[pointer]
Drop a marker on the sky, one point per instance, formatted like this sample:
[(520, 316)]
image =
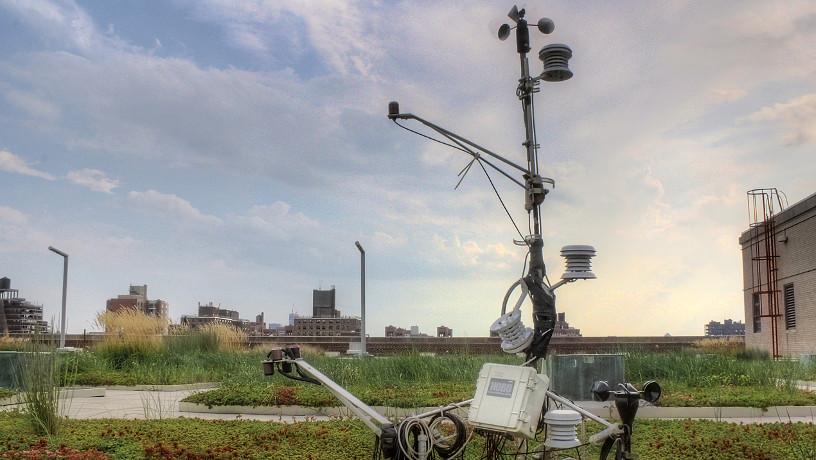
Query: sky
[(233, 152)]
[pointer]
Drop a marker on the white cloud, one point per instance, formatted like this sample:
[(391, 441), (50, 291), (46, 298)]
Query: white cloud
[(798, 117), (171, 206), (648, 161), (728, 94), (33, 104), (278, 220), (62, 21), (12, 163), (93, 179), (12, 215), (343, 33)]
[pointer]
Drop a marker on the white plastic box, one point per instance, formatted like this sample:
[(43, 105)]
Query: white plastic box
[(508, 399)]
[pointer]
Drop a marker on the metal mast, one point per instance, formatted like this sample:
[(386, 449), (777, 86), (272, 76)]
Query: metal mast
[(555, 58)]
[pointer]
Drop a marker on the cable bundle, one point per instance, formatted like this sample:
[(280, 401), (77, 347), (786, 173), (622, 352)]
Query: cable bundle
[(411, 431)]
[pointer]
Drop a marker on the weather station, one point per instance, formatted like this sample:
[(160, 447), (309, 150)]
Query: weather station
[(513, 413)]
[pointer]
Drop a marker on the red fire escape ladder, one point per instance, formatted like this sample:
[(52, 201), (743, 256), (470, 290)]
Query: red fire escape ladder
[(762, 206)]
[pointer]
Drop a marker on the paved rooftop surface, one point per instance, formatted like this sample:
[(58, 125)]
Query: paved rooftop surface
[(130, 404)]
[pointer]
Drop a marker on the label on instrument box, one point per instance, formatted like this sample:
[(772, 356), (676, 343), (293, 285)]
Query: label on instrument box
[(502, 388)]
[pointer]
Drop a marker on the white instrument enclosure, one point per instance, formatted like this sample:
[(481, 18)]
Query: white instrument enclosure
[(508, 399)]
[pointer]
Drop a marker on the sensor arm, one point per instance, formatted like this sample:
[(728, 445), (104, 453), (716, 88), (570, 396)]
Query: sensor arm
[(456, 137), (373, 419)]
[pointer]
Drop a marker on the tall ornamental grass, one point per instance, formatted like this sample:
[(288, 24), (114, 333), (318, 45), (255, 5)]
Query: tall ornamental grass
[(136, 350), (209, 338), (40, 375), (130, 336), (12, 343)]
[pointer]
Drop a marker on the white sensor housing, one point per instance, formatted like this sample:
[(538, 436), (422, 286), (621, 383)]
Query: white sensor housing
[(561, 432), (579, 262), (515, 337)]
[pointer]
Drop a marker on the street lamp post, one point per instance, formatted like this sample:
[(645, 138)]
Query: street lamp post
[(362, 299), (64, 291)]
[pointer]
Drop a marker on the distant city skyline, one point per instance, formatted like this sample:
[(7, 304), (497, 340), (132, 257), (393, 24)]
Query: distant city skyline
[(234, 152)]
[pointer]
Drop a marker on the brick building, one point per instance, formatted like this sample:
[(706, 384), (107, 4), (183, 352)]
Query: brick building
[(136, 298), (779, 275), (563, 329), (339, 326)]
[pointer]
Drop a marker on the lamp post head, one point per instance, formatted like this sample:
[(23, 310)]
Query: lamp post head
[(359, 246), (55, 250)]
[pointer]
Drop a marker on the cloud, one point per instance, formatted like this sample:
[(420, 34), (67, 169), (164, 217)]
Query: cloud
[(343, 33), (728, 94), (277, 219), (33, 104), (93, 179), (649, 162), (171, 206), (12, 215), (798, 116), (12, 163), (62, 22)]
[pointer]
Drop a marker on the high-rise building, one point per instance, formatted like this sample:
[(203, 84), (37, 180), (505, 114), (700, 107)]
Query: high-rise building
[(259, 326), (17, 315), (324, 303)]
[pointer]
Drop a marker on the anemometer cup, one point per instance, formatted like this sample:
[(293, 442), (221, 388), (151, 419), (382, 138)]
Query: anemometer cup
[(600, 390), (651, 392)]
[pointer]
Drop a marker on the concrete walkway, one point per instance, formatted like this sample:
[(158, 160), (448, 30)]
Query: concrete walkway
[(131, 404)]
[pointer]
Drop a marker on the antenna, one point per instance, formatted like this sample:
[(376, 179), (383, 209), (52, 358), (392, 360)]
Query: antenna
[(555, 59)]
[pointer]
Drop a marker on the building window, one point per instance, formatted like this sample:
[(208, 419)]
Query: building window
[(790, 307), (757, 305)]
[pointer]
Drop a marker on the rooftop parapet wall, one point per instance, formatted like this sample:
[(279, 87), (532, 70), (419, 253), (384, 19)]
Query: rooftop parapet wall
[(473, 345)]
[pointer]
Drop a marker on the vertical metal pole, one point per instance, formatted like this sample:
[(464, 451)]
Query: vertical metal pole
[(542, 297), (536, 247), (64, 295), (362, 299), (64, 290)]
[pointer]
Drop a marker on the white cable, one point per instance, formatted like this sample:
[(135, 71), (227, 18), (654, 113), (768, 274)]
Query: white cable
[(406, 426)]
